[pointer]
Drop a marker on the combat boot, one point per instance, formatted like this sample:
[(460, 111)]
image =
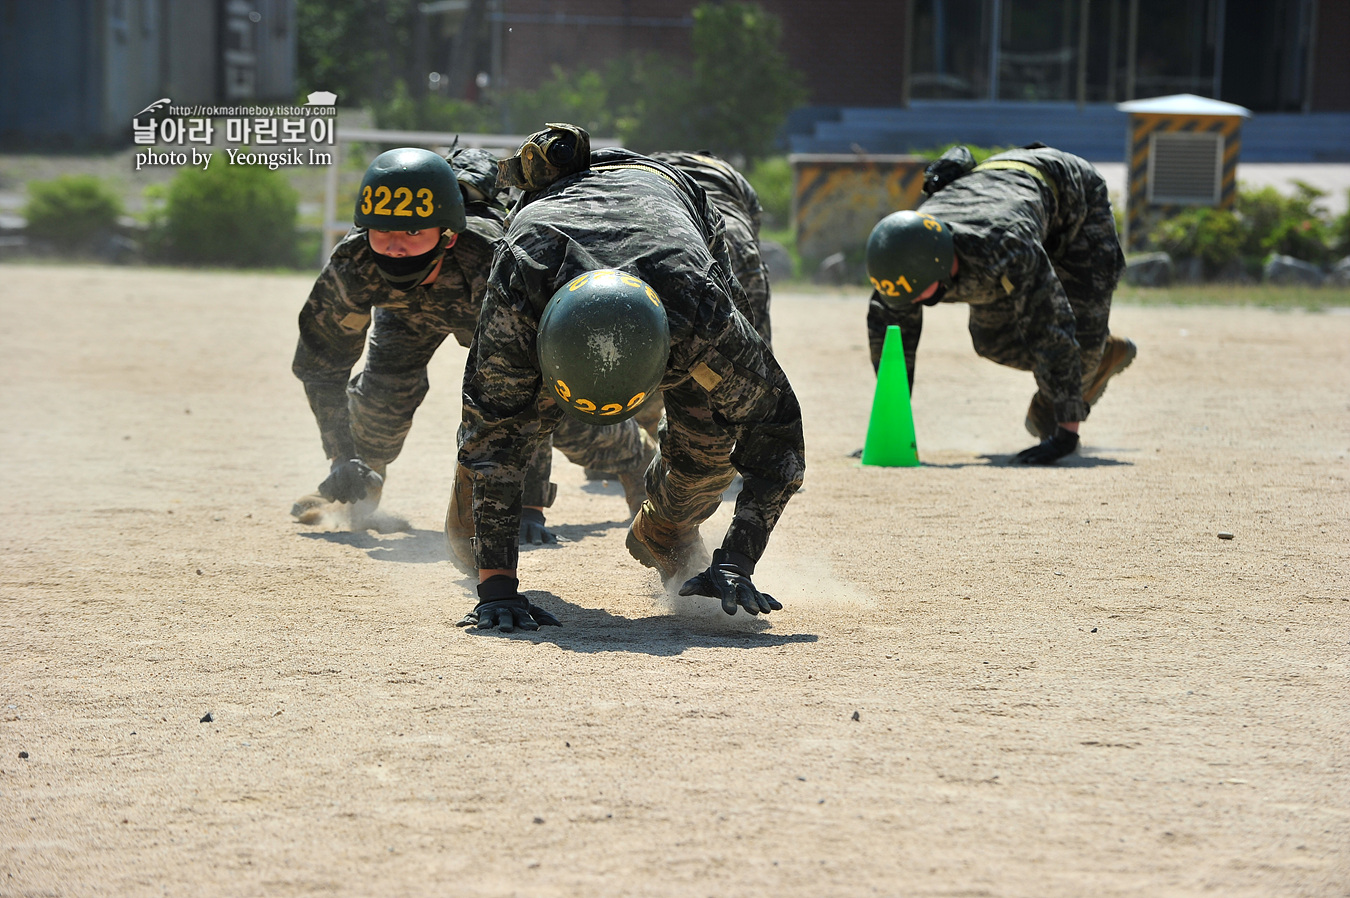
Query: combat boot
[(1116, 357), (309, 509), (634, 480), (459, 528), (660, 544)]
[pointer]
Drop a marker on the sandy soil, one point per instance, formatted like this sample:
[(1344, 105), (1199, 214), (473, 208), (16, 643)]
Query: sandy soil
[(986, 680)]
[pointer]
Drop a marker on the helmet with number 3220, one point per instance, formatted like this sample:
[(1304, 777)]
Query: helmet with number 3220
[(603, 343), (409, 189), (906, 253)]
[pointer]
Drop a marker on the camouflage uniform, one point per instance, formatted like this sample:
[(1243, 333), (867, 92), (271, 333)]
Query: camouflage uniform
[(369, 418), (1037, 261), (733, 196), (729, 406)]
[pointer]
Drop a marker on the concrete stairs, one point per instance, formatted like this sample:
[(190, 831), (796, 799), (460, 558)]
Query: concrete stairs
[(1097, 132)]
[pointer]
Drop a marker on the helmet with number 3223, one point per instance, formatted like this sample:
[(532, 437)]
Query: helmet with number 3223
[(603, 343), (907, 252), (409, 189)]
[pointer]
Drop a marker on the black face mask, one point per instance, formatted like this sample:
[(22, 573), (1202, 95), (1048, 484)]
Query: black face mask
[(408, 271)]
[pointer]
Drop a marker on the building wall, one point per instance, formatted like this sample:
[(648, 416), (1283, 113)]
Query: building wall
[(1331, 64), (50, 69), (189, 36), (79, 70), (851, 51), (536, 35)]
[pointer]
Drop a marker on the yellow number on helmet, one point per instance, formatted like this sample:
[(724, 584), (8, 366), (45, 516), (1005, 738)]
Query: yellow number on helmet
[(382, 197), (404, 195), (932, 223), (651, 294), (424, 194), (636, 400), (612, 408), (562, 390), (578, 282), (585, 405), (365, 200)]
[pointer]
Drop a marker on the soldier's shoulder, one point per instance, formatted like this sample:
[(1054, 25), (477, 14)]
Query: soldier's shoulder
[(352, 256), (482, 231)]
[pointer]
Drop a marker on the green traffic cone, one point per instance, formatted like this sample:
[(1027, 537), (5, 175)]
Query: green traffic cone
[(890, 432)]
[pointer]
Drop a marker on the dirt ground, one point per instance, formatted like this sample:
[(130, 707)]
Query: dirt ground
[(986, 680)]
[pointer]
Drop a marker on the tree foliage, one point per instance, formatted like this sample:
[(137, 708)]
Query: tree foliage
[(742, 87), (732, 99), (359, 49)]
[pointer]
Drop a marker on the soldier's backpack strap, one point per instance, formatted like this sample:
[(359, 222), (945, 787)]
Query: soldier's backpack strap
[(1015, 165)]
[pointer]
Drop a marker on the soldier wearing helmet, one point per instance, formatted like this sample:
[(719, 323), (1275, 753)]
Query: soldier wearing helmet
[(1027, 239), (613, 284), (413, 271)]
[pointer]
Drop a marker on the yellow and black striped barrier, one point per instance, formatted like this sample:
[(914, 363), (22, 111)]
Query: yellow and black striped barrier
[(838, 199)]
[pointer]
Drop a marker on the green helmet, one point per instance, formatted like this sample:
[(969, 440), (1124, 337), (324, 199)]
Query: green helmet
[(603, 343), (907, 252), (409, 189)]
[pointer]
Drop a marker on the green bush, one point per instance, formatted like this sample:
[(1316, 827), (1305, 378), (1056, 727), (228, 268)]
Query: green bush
[(1264, 221), (72, 210), (1290, 225), (772, 179), (1215, 236), (1340, 230), (237, 215)]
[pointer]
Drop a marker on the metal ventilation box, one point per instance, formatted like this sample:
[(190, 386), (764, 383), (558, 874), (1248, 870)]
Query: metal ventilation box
[(1183, 152)]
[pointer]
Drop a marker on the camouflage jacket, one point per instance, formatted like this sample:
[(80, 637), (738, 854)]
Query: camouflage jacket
[(628, 212), (337, 314), (739, 204), (1008, 228)]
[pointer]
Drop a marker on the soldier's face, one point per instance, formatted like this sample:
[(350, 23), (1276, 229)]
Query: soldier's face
[(404, 243), (932, 289)]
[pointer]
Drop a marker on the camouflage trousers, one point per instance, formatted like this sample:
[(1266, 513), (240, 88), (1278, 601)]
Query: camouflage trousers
[(1088, 262), (613, 447), (701, 452), (383, 398)]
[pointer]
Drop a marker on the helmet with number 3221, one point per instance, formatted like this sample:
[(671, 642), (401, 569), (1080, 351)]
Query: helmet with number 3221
[(409, 189), (906, 253), (603, 343)]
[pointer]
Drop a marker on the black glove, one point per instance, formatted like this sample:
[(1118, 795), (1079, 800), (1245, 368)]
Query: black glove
[(501, 606), (532, 529), (728, 579), (350, 481), (1049, 450)]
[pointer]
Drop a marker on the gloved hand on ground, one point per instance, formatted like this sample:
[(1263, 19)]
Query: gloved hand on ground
[(502, 607), (532, 529), (1048, 451), (728, 579), (350, 481)]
